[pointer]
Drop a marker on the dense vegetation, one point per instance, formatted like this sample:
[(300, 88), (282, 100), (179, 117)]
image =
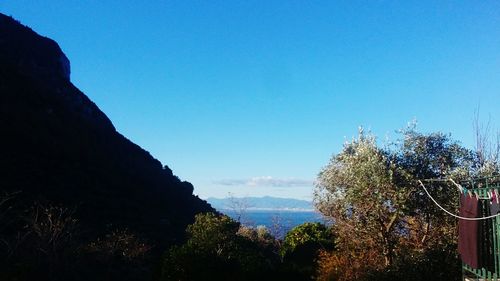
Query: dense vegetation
[(219, 248), (78, 201), (386, 227)]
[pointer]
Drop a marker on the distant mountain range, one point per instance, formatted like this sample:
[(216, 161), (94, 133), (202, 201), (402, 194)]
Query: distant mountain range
[(260, 203)]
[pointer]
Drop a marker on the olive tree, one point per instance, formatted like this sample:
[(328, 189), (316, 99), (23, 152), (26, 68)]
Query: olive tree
[(372, 195)]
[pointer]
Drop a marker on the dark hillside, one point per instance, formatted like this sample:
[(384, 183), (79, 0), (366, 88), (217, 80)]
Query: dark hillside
[(57, 147)]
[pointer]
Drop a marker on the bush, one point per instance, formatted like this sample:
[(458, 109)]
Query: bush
[(215, 251)]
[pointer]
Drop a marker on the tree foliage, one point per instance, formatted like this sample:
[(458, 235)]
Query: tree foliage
[(301, 247), (372, 195), (216, 251), (315, 235)]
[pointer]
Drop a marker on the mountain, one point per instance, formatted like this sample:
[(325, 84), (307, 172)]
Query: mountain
[(260, 203), (58, 150)]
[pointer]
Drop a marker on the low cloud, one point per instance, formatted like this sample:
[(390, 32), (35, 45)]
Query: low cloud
[(266, 181)]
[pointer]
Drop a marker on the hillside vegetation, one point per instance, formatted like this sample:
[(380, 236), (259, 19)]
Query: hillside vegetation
[(79, 201)]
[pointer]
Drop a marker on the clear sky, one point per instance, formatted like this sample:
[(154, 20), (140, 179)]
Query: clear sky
[(253, 97)]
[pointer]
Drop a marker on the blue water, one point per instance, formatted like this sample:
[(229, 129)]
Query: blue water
[(278, 222)]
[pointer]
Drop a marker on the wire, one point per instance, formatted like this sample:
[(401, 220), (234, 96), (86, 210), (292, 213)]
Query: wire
[(450, 213)]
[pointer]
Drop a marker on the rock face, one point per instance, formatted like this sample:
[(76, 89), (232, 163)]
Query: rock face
[(29, 52), (57, 146)]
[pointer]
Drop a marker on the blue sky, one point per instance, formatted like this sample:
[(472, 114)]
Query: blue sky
[(253, 97)]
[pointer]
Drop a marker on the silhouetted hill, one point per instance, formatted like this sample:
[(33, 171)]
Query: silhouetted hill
[(58, 148)]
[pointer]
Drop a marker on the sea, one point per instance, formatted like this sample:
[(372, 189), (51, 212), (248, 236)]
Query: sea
[(278, 222)]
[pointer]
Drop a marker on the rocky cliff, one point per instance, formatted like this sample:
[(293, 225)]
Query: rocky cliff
[(30, 53), (58, 148)]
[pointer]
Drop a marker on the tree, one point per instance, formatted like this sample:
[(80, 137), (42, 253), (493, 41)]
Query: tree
[(372, 196), (313, 235), (216, 251), (301, 247), (487, 150), (239, 206)]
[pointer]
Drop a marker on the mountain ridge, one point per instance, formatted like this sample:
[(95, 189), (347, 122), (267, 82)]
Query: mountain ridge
[(260, 203)]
